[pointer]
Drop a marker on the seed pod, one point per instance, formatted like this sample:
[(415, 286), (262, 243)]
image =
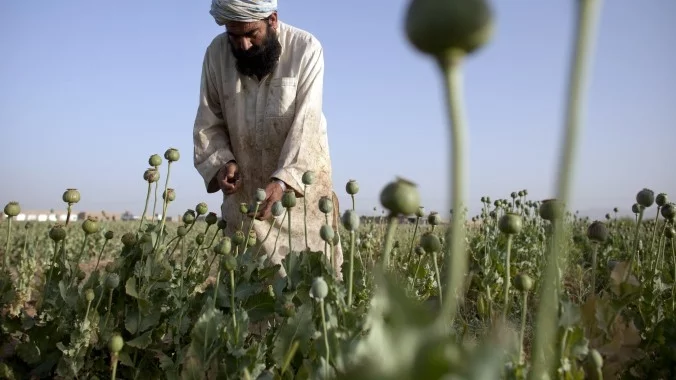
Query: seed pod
[(71, 196), (252, 238), (523, 282), (668, 211), (437, 27), (326, 233), (308, 177), (551, 209), (288, 310), (670, 232), (189, 217), (243, 208), (493, 214), (221, 224), (172, 155), (109, 235), (352, 187), (112, 281), (635, 208), (199, 238), (260, 195), (169, 195), (607, 216), (510, 223), (111, 267), (277, 209), (181, 231), (151, 175), (421, 212), (645, 198), (661, 199), (90, 225), (115, 344), (430, 243), (211, 218), (57, 233), (336, 240), (289, 198), (597, 231), (238, 237), (223, 247), (155, 160), (229, 262), (89, 295), (513, 195), (128, 239), (81, 275), (201, 208), (400, 197), (12, 209), (320, 288), (350, 220), (434, 219), (325, 204)]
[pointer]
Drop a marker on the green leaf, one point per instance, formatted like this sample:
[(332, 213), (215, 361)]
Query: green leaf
[(297, 328), (130, 287), (142, 341), (206, 335)]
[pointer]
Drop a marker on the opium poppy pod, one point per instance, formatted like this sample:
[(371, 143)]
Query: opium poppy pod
[(437, 27)]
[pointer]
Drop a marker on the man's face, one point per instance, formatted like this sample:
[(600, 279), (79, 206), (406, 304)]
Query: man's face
[(255, 46)]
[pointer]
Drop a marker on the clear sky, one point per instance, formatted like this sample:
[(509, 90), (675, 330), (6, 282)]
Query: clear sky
[(90, 89)]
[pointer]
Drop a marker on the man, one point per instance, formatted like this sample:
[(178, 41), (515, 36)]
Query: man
[(260, 123)]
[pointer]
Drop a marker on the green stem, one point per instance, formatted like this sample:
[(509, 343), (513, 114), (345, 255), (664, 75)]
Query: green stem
[(508, 278), (165, 203), (152, 219), (456, 258), (389, 240), (9, 237), (415, 231), (436, 271), (524, 313), (218, 280), (145, 208), (588, 11), (350, 279), (652, 241), (232, 304), (593, 281), (289, 231), (100, 254), (246, 241), (305, 215), (114, 365), (326, 337)]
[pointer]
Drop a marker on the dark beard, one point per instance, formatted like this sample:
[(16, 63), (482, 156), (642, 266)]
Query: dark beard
[(258, 60)]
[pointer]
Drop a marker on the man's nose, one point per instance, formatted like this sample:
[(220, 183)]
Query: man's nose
[(244, 43)]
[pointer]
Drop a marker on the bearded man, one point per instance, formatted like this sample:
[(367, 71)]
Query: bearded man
[(260, 124)]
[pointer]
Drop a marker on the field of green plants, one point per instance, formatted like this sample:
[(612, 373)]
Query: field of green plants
[(527, 289)]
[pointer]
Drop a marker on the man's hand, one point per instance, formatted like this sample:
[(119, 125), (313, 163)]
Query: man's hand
[(273, 193), (229, 179)]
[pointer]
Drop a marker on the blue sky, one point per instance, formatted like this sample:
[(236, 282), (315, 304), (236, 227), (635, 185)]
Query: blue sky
[(89, 90)]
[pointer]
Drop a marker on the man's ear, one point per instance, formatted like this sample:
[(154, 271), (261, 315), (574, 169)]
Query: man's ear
[(273, 20)]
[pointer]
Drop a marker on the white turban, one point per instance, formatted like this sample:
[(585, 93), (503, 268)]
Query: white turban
[(241, 10)]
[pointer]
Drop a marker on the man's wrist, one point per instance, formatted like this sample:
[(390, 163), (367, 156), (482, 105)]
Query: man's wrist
[(280, 183)]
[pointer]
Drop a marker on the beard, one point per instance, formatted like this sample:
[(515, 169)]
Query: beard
[(258, 60)]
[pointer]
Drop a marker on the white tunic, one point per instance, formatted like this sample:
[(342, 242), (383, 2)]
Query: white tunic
[(273, 129)]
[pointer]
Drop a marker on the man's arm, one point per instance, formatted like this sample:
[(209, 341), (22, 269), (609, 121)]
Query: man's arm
[(298, 152), (212, 149)]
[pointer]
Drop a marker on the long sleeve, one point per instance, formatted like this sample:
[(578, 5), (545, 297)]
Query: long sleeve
[(211, 141), (305, 145)]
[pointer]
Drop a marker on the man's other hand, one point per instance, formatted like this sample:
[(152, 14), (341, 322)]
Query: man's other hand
[(273, 193), (229, 179)]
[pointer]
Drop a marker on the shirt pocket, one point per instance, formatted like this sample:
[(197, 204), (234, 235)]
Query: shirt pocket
[(281, 101)]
